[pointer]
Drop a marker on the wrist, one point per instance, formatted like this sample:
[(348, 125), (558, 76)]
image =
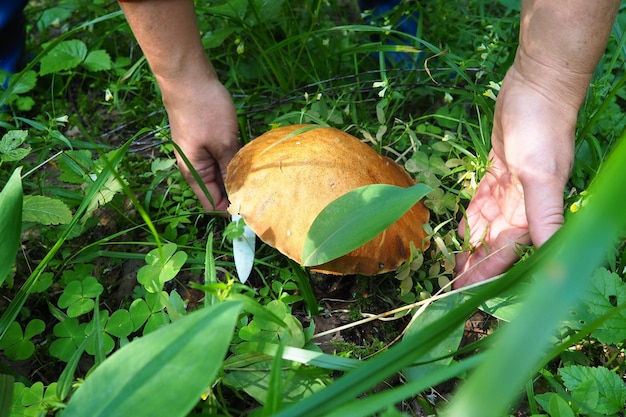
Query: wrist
[(558, 83)]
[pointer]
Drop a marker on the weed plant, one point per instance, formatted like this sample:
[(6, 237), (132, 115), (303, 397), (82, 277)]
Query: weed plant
[(119, 294)]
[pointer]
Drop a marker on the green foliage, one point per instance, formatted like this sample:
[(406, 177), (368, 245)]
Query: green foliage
[(78, 296), (162, 265), (144, 364), (107, 300), (16, 344), (45, 210), (10, 149), (595, 389)]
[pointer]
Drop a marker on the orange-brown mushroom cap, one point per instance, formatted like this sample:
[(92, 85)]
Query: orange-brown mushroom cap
[(281, 181)]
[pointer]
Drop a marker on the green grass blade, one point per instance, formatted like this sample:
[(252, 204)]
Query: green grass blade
[(306, 290), (64, 384), (10, 222), (307, 357), (565, 265), (403, 355), (274, 392), (6, 395), (370, 405), (210, 274), (139, 379), (347, 222)]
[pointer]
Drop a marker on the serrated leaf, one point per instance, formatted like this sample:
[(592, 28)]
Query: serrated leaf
[(10, 222), (607, 292), (45, 210), (347, 222), (66, 55), (98, 60), (598, 388), (133, 381)]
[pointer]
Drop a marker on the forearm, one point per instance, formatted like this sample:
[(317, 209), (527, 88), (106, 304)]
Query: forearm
[(168, 35), (561, 43)]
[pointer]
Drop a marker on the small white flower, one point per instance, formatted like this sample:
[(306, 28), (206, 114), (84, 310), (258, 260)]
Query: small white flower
[(490, 94), (381, 84), (447, 97), (62, 119), (108, 96)]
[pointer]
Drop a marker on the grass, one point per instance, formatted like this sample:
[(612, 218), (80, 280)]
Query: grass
[(137, 256)]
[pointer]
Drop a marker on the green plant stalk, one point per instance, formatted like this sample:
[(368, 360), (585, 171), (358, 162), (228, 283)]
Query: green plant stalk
[(22, 295), (210, 274), (564, 267)]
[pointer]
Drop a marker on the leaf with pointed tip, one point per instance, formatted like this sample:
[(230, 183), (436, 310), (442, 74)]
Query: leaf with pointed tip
[(355, 218)]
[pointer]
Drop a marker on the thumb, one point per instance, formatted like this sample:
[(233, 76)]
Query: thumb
[(544, 208)]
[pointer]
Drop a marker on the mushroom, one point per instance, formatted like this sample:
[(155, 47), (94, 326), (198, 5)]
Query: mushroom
[(281, 181)]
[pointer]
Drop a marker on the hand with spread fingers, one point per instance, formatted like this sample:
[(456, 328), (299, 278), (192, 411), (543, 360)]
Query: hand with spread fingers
[(520, 198)]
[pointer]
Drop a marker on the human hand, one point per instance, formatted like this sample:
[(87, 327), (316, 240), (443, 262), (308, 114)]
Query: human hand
[(203, 123), (520, 198)]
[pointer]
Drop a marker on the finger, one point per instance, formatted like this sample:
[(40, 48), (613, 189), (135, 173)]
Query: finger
[(544, 209)]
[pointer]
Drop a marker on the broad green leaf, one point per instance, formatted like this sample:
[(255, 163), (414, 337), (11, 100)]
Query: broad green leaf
[(161, 374), (64, 56), (45, 210), (298, 382), (217, 37), (25, 82), (355, 218), (98, 60), (505, 306), (446, 347), (607, 292), (10, 222), (598, 388), (558, 407), (9, 146)]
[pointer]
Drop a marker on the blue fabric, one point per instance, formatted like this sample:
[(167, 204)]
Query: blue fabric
[(408, 23), (12, 35)]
